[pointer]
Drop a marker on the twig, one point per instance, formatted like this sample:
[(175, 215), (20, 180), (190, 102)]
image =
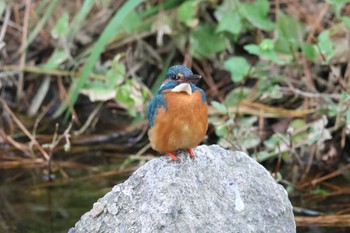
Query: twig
[(49, 164), (133, 141), (65, 135), (326, 177), (205, 73), (278, 162), (64, 96), (41, 116), (347, 75), (13, 142), (317, 22), (23, 128), (143, 149), (309, 81), (5, 22), (89, 120), (309, 94), (326, 220), (309, 162), (23, 55), (55, 142), (51, 72), (331, 175)]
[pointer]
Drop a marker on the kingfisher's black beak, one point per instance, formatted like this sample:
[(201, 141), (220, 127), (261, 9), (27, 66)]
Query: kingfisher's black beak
[(193, 77)]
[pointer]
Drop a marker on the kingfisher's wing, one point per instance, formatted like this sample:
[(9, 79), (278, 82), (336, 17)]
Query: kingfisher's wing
[(157, 102), (194, 88)]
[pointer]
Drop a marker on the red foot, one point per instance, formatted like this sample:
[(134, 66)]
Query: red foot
[(190, 151), (172, 155)]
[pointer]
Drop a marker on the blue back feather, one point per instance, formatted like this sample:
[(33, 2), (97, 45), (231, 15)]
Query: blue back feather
[(156, 102), (194, 88)]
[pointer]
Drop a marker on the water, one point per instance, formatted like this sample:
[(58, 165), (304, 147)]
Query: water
[(29, 203)]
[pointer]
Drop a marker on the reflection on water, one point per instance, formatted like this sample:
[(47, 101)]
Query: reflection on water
[(28, 203)]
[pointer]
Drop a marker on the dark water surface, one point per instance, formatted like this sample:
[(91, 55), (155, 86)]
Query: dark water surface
[(30, 203)]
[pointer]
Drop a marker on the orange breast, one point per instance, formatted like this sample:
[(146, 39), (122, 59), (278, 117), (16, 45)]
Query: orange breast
[(183, 125)]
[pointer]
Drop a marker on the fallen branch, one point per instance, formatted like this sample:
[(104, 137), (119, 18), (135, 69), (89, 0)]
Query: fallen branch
[(324, 221)]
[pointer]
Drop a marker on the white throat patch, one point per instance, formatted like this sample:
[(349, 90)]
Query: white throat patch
[(183, 87)]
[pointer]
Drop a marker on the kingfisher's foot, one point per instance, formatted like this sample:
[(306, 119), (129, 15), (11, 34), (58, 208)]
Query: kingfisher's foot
[(172, 155), (191, 152)]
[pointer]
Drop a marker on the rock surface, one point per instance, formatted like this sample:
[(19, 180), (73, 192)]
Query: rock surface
[(218, 191)]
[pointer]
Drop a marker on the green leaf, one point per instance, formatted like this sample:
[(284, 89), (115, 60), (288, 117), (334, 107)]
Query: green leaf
[(266, 50), (131, 22), (348, 121), (275, 92), (345, 97), (231, 22), (298, 124), (269, 87), (290, 34), (102, 90), (205, 42), (2, 7), (124, 94), (275, 140), (309, 51), (221, 130), (267, 45), (261, 156), (186, 13), (332, 110), (319, 191), (116, 73), (130, 95), (337, 5), (247, 121), (257, 14), (220, 107), (250, 140), (97, 91), (78, 19), (325, 45), (346, 21), (270, 54), (236, 95), (290, 28), (318, 133), (61, 28), (224, 8), (253, 49), (238, 67)]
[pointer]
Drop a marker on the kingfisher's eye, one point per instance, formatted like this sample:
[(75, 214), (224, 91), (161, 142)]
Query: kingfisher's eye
[(175, 77)]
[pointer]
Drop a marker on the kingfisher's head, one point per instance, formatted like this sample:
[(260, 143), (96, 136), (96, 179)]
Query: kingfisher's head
[(179, 79)]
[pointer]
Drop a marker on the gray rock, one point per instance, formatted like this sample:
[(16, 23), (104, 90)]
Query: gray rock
[(218, 191)]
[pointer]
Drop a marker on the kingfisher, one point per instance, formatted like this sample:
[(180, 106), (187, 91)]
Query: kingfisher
[(178, 114)]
